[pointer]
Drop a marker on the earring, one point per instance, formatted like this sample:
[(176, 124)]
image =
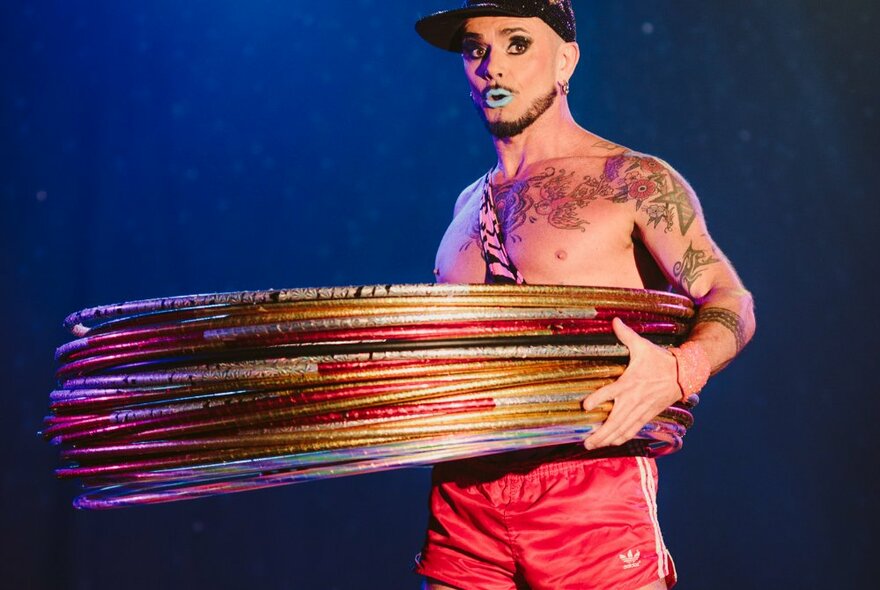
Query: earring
[(565, 88)]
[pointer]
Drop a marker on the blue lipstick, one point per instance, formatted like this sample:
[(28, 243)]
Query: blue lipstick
[(498, 97)]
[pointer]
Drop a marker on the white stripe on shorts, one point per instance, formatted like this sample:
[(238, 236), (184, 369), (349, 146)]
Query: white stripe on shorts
[(649, 488)]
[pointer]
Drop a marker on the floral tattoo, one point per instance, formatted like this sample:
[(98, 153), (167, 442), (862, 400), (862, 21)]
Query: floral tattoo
[(560, 196), (556, 195), (646, 180)]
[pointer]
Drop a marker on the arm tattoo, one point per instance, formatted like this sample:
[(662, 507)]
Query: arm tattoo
[(691, 266), (726, 318), (678, 199)]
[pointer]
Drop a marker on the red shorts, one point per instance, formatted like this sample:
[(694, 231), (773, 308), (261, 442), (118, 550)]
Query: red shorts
[(585, 524)]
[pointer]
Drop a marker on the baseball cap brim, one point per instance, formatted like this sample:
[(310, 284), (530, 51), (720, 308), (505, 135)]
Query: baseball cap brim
[(443, 29)]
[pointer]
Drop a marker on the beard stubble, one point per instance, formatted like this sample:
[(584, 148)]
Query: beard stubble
[(507, 129)]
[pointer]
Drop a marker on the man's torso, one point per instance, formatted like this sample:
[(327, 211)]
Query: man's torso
[(565, 221)]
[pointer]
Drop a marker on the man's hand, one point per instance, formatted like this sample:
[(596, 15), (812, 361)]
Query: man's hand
[(648, 386)]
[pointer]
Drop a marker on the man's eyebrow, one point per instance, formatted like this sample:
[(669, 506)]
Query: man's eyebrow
[(475, 36), (509, 31)]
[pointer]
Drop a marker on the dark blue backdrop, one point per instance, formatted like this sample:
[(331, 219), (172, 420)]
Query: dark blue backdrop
[(153, 147)]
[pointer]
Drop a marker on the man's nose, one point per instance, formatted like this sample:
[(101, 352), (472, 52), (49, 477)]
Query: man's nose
[(491, 68)]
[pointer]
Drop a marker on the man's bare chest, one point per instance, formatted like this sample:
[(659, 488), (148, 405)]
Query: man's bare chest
[(555, 220), (577, 206)]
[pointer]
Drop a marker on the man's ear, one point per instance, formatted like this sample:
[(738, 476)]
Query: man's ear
[(567, 59)]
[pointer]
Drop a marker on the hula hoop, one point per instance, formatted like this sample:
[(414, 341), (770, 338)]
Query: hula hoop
[(178, 398)]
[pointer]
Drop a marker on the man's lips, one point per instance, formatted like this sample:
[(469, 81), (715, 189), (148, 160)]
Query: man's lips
[(497, 97)]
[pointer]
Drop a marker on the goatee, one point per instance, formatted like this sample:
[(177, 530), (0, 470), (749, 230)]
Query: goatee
[(506, 129)]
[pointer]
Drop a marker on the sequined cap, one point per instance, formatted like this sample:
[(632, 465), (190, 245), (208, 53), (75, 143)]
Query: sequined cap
[(443, 29)]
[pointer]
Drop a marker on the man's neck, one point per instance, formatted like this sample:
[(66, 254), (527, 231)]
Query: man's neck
[(554, 135)]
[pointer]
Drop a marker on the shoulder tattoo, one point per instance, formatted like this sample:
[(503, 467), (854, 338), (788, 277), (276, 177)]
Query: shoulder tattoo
[(606, 145), (654, 189)]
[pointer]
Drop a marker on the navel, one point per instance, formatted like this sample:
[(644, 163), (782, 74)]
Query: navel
[(561, 254)]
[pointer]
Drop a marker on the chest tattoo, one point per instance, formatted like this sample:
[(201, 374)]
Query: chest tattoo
[(559, 197)]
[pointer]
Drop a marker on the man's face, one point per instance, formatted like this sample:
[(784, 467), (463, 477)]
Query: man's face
[(510, 65)]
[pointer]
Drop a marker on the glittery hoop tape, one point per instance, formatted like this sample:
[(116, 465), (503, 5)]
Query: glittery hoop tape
[(186, 397)]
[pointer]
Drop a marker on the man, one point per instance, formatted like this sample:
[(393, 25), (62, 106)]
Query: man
[(571, 209)]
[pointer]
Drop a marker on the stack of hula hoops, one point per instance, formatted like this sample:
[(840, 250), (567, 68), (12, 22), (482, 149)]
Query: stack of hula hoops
[(186, 397)]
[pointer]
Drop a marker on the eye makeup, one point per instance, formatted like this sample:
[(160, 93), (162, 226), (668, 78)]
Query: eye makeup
[(519, 44)]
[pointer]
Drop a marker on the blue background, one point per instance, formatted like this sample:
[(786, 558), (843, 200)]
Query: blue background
[(156, 148)]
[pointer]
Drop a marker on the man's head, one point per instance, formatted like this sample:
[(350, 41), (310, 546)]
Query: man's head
[(518, 56)]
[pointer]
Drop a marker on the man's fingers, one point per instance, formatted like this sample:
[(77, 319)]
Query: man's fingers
[(593, 440), (610, 434), (610, 429), (625, 334), (607, 434), (618, 429), (600, 396)]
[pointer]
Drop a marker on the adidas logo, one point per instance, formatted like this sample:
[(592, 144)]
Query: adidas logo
[(630, 559)]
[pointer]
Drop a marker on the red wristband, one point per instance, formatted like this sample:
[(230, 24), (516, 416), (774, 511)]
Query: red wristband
[(693, 368)]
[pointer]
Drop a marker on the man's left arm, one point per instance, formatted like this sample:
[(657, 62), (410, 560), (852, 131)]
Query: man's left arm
[(672, 227)]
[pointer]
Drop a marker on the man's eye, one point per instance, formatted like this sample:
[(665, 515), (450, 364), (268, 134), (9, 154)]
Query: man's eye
[(474, 52), (518, 46)]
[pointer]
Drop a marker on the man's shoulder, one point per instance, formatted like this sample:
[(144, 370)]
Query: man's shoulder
[(467, 194), (628, 160), (635, 155), (595, 151), (593, 146), (650, 160)]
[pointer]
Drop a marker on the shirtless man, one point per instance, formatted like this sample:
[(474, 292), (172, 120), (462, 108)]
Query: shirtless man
[(574, 209)]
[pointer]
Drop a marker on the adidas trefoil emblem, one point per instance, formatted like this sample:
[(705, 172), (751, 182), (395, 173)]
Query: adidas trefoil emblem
[(630, 559)]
